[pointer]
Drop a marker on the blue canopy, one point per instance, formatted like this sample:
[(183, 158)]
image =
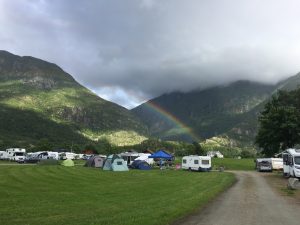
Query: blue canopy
[(161, 154)]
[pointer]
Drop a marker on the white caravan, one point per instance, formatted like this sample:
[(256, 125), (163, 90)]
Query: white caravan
[(277, 163), (291, 162), (2, 154), (67, 155), (15, 154), (129, 156), (195, 162), (263, 164), (48, 155)]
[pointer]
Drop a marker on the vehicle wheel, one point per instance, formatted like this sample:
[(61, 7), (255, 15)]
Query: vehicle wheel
[(190, 169)]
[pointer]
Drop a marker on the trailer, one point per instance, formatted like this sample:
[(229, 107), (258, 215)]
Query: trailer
[(67, 155), (277, 163), (263, 165), (48, 155), (197, 163), (291, 163)]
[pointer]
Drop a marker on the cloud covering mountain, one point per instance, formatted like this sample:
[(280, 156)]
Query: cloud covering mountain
[(131, 50)]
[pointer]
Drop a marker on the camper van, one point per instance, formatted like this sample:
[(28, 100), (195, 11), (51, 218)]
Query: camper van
[(195, 162), (291, 162), (263, 165), (15, 154)]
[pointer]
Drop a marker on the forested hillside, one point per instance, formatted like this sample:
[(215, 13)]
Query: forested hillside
[(39, 100)]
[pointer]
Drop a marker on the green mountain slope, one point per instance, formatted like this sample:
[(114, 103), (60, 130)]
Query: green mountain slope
[(228, 112), (245, 131), (209, 112), (53, 101)]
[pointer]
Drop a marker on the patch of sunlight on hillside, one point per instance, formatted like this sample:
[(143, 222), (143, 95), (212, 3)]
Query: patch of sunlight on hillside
[(217, 141), (118, 138)]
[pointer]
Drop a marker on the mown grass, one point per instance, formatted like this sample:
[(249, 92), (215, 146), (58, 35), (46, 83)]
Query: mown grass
[(233, 164), (79, 195)]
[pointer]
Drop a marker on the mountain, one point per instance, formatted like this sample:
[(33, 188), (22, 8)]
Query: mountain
[(228, 111), (39, 100)]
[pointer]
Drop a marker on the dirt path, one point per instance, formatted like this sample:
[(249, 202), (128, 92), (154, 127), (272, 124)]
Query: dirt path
[(251, 201)]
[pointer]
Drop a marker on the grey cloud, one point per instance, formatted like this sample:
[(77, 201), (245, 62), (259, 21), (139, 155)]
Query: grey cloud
[(131, 50)]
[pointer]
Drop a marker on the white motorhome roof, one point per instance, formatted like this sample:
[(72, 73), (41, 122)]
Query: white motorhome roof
[(293, 151), (202, 157)]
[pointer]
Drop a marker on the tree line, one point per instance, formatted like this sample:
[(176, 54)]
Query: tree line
[(279, 123)]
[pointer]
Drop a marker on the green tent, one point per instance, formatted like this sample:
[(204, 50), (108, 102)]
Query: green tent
[(115, 163), (67, 162)]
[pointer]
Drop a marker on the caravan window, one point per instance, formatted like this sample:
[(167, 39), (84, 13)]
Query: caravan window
[(196, 161), (19, 154), (205, 162), (184, 161)]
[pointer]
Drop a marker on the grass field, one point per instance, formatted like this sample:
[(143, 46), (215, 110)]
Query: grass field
[(228, 163), (79, 195), (233, 164)]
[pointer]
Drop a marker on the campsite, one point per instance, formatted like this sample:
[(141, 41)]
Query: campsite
[(105, 190), (81, 195)]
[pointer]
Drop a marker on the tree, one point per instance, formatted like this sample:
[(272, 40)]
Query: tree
[(198, 149), (279, 123), (43, 145)]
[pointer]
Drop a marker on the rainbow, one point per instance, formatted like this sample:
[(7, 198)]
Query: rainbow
[(174, 120)]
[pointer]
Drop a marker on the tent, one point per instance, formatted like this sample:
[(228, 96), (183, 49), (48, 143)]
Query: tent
[(115, 163), (161, 154), (140, 164), (67, 162), (95, 161), (144, 157), (119, 165)]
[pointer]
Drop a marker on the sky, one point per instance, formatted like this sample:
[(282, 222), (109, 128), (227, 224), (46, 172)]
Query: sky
[(129, 51)]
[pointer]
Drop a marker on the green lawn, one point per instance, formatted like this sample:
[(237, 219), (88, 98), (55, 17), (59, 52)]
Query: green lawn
[(7, 162), (79, 195), (233, 164)]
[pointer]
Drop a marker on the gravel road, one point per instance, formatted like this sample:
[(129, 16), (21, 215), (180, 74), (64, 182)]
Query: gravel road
[(251, 201)]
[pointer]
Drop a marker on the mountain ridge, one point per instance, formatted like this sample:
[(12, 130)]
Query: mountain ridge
[(229, 110), (31, 84)]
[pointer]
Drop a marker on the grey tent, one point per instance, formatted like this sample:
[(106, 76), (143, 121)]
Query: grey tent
[(95, 161), (115, 163)]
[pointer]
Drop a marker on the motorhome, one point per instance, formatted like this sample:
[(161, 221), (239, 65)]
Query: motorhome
[(15, 154), (195, 162), (291, 162), (263, 164)]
